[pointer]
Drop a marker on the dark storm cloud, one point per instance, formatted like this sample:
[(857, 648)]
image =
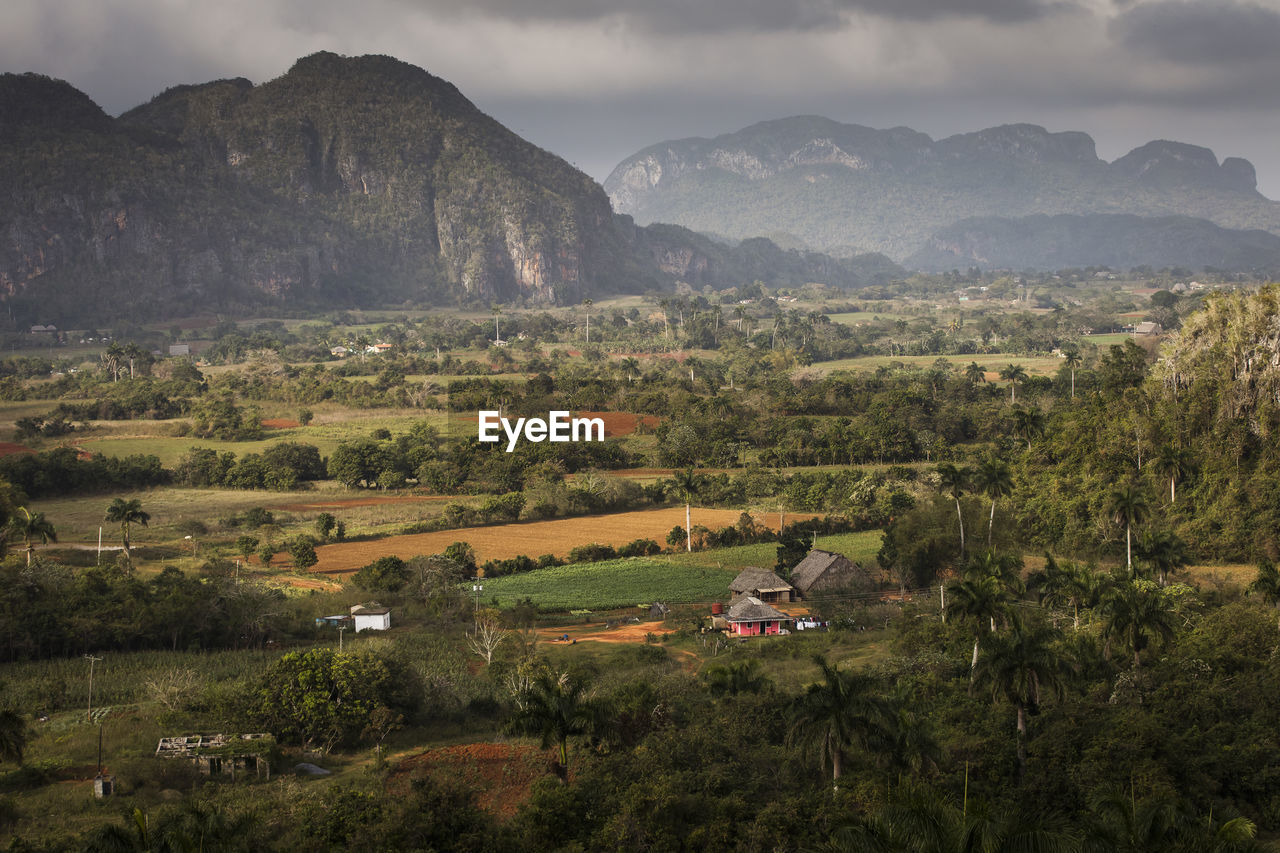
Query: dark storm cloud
[(1210, 33), (676, 16)]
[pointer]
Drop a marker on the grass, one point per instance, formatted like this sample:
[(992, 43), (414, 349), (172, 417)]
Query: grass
[(1107, 340), (610, 584), (992, 363), (675, 579)]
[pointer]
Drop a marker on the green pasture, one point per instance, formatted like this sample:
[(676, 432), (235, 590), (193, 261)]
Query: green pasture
[(1107, 340), (991, 362)]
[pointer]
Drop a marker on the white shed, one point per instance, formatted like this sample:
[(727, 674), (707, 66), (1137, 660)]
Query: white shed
[(371, 617)]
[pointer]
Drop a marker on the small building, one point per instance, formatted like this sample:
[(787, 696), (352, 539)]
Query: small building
[(762, 584), (44, 330), (339, 351), (221, 754), (1147, 328), (370, 617), (339, 621), (751, 617), (179, 350), (823, 571)]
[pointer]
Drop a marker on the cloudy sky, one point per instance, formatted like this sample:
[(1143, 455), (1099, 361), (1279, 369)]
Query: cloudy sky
[(596, 80)]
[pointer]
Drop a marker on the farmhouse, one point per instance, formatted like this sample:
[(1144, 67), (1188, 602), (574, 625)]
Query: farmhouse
[(823, 571), (762, 584), (1147, 328), (221, 755), (371, 617), (752, 617)]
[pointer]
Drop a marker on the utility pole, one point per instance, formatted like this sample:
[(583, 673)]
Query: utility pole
[(341, 628), (476, 588), (92, 660), (99, 544)]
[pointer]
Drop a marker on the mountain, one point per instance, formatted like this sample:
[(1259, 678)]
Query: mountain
[(346, 181), (1122, 241), (844, 187)]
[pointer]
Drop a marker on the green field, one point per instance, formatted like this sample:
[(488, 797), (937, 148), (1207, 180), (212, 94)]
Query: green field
[(610, 584), (674, 579), (1107, 340), (992, 363)]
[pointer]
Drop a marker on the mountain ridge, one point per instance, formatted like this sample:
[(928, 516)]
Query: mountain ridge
[(890, 190)]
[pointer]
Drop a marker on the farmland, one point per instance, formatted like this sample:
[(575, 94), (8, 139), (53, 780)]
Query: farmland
[(531, 538), (610, 584)]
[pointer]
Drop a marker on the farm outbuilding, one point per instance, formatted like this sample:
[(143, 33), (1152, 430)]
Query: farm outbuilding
[(823, 571), (762, 584), (371, 617), (221, 754), (752, 617)]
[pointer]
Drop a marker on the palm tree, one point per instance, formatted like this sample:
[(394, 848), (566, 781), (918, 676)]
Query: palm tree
[(1014, 373), (629, 366), (687, 483), (127, 513), (1062, 584), (1018, 666), (742, 677), (980, 598), (1128, 506), (1175, 463), (1164, 552), (1028, 423), (1073, 360), (1267, 583), (994, 480), (974, 373), (1135, 611), (13, 737), (837, 714), (556, 707), (955, 481), (29, 527)]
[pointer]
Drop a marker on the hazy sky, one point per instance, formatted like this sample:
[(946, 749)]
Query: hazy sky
[(596, 80)]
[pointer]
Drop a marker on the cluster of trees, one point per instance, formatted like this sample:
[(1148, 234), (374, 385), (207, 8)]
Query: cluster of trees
[(281, 467)]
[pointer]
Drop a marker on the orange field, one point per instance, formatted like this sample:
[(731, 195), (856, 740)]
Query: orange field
[(620, 423), (280, 423), (501, 774), (8, 448), (531, 538)]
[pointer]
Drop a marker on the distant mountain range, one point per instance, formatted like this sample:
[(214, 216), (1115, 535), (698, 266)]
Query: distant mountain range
[(347, 182), (843, 188)]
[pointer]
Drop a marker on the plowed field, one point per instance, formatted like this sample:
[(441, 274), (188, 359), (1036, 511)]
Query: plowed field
[(531, 538)]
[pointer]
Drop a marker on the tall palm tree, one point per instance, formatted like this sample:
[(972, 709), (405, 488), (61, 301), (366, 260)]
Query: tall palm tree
[(29, 527), (1164, 552), (1267, 583), (1019, 666), (837, 714), (955, 482), (980, 599), (126, 513), (1176, 463), (1136, 612), (1128, 506), (975, 374), (1073, 360), (629, 366), (586, 304), (1028, 423), (687, 483), (1014, 373), (995, 480), (556, 708)]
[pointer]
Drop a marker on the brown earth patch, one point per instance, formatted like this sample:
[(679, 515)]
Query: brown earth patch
[(8, 448), (280, 423), (531, 538), (621, 423), (635, 632), (500, 773)]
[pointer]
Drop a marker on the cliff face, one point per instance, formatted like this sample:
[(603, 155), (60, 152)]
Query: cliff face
[(347, 181), (841, 187)]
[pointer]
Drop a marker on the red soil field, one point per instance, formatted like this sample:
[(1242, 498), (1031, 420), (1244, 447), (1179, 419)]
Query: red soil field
[(531, 538), (8, 448), (501, 773), (280, 423)]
